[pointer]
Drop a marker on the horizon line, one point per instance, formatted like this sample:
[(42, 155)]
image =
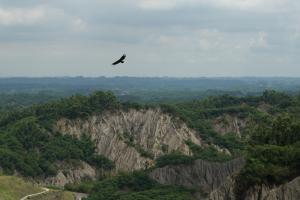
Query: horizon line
[(158, 77)]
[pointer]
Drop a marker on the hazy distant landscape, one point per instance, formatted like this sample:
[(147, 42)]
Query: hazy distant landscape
[(137, 84), (143, 90)]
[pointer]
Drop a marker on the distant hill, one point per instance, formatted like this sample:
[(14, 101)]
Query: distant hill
[(129, 84)]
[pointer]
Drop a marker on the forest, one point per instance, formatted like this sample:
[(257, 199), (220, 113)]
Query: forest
[(28, 145)]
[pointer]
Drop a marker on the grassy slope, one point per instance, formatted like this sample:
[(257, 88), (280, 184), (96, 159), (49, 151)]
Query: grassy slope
[(13, 188)]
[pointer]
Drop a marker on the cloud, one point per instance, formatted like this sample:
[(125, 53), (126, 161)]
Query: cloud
[(39, 22), (258, 5), (158, 4), (212, 40), (255, 5), (21, 16), (78, 25), (260, 41)]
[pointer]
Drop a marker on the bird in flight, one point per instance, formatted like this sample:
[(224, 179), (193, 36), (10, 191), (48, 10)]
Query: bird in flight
[(121, 60)]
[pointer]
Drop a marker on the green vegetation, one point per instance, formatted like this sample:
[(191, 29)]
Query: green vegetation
[(76, 106), (14, 101), (273, 156), (12, 188), (174, 159), (29, 145), (209, 153), (205, 153), (270, 141), (136, 186), (198, 113), (81, 187)]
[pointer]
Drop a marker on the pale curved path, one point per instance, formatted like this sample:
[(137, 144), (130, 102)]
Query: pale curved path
[(36, 194)]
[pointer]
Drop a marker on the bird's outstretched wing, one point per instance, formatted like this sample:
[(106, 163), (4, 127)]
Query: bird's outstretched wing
[(123, 57), (121, 60), (115, 63)]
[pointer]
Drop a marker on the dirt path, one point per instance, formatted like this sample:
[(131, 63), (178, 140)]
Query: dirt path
[(36, 194), (80, 196)]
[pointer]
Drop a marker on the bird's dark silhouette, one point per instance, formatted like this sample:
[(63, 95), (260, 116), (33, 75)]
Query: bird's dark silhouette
[(121, 60)]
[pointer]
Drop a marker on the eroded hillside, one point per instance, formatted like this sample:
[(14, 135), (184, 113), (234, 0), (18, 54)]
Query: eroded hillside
[(96, 137), (133, 139)]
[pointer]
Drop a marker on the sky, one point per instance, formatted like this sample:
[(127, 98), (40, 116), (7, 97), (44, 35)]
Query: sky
[(176, 38)]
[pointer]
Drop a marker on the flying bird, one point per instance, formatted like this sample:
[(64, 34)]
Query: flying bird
[(121, 60)]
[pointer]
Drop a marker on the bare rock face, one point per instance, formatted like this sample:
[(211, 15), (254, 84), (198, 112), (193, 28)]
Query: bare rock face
[(124, 137), (216, 181), (201, 175), (71, 172), (288, 191), (264, 107), (229, 124), (225, 191)]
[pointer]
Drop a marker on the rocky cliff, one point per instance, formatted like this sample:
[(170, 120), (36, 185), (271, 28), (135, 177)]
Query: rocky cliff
[(133, 139), (229, 124), (215, 181), (71, 172), (224, 191), (288, 191), (201, 175)]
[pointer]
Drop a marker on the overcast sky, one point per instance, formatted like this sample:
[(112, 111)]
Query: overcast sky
[(160, 37)]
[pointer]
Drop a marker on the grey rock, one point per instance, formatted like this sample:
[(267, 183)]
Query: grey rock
[(288, 191), (151, 130), (202, 175), (71, 173)]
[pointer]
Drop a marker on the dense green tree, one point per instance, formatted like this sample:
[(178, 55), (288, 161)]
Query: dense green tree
[(135, 186), (29, 145), (273, 156)]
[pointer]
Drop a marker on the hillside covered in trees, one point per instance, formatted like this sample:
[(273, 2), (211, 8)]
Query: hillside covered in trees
[(266, 134), (28, 145)]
